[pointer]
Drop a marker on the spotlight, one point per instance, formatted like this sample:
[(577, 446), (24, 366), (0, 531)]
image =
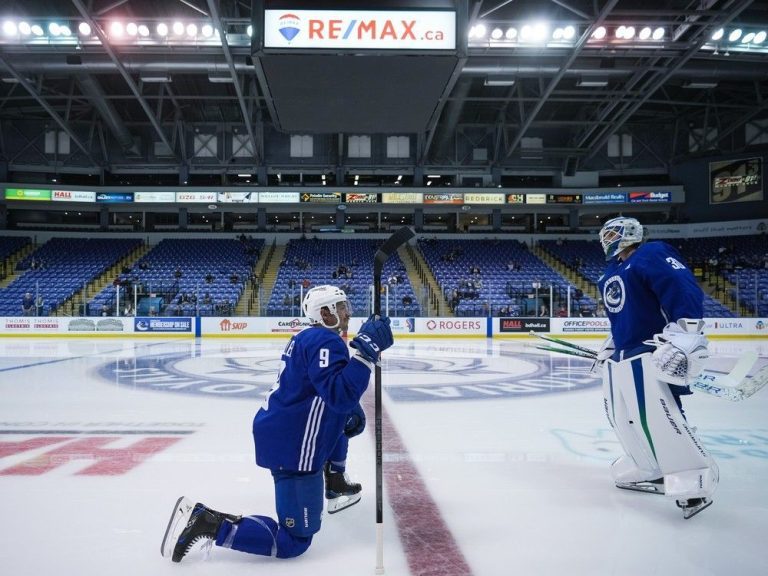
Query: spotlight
[(9, 28), (191, 30), (540, 32), (178, 28), (162, 29), (496, 34), (511, 33), (629, 33), (658, 34), (557, 34), (748, 38), (734, 35), (84, 28), (37, 30), (53, 29), (718, 34), (249, 30), (480, 31), (645, 33), (599, 33), (569, 32), (25, 28), (132, 29), (759, 37), (207, 30), (143, 30), (116, 29), (620, 31), (64, 30)]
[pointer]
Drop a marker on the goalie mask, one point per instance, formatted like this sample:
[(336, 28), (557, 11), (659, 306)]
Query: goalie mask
[(324, 297), (618, 234)]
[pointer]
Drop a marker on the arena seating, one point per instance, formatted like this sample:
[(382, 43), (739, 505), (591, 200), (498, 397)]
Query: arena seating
[(508, 275), (67, 264), (11, 244), (229, 263), (318, 261)]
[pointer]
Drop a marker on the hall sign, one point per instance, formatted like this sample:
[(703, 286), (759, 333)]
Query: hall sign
[(356, 29)]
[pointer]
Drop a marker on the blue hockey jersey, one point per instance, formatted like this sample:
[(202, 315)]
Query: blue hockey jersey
[(303, 414), (647, 291)]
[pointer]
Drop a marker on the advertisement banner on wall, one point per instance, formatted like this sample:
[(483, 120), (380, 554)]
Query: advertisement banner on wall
[(401, 198), (610, 198), (73, 196), (443, 198), (563, 198), (736, 181), (646, 197), (196, 197), (278, 197), (483, 198), (154, 196), (238, 197), (360, 198), (515, 198), (360, 29), (320, 197), (451, 326), (522, 325), (27, 194), (535, 198), (155, 324), (114, 197), (582, 325)]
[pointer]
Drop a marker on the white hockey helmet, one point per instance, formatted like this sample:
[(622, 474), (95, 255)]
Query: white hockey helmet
[(618, 234), (320, 297)]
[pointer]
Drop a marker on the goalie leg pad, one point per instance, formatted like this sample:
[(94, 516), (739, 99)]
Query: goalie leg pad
[(621, 408), (652, 429)]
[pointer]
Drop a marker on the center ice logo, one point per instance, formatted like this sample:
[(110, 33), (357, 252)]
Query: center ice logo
[(288, 26), (438, 376)]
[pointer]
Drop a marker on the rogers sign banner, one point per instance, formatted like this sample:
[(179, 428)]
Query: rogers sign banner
[(452, 326)]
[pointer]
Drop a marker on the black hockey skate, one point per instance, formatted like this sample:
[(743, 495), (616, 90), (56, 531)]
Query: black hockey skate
[(189, 523), (650, 486), (693, 506), (339, 492)]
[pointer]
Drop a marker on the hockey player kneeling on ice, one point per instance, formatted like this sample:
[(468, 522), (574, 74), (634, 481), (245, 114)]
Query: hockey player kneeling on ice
[(655, 349), (301, 434)]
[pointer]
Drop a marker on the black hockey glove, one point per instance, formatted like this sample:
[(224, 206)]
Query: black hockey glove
[(373, 338), (355, 422)]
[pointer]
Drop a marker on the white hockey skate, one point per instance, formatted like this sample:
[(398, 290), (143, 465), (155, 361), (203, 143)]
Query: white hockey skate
[(650, 486), (693, 506), (339, 491)]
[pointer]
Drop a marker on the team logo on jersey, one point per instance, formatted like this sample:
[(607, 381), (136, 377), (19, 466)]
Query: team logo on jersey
[(614, 294), (288, 26), (445, 372)]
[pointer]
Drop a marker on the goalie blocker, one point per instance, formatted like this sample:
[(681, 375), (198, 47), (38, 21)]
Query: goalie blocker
[(662, 452)]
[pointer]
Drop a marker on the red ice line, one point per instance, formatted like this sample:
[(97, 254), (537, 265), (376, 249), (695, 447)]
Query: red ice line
[(428, 543)]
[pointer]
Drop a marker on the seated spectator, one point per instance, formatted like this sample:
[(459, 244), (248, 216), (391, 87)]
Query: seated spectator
[(407, 300), (28, 304), (178, 273), (128, 310), (562, 312), (234, 278), (306, 283), (39, 303), (105, 310), (209, 278), (33, 264)]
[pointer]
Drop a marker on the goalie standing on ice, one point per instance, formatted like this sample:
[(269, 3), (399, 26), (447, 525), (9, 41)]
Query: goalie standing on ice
[(655, 350), (301, 435)]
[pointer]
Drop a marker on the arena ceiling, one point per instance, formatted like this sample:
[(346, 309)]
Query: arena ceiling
[(504, 103)]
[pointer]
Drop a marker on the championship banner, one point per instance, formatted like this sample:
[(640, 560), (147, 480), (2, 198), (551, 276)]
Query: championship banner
[(736, 181)]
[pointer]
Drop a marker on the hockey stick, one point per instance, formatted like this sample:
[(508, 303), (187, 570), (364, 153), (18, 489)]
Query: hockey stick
[(566, 351), (390, 246), (734, 385), (589, 351)]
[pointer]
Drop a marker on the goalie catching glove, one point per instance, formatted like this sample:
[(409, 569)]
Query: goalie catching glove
[(681, 350), (374, 337)]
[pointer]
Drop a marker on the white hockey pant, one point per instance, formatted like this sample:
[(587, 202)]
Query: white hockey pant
[(656, 438)]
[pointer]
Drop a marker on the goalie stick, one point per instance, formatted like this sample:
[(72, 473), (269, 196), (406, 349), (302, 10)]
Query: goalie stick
[(734, 385), (390, 246)]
